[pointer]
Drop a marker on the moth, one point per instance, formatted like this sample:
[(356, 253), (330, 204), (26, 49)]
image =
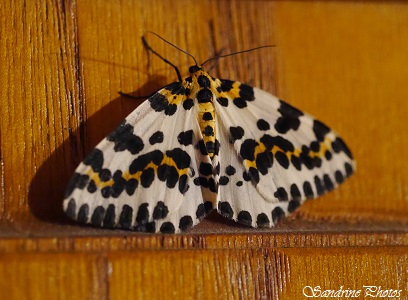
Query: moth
[(203, 144)]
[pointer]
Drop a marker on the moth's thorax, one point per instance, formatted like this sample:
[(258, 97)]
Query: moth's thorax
[(200, 80), (201, 87)]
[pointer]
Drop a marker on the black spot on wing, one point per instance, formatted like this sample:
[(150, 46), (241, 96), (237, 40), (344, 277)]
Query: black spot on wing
[(169, 174), (296, 162), (160, 211), (98, 216), (281, 194), (244, 217), (307, 190), (160, 102), (185, 223), (83, 213), (277, 214), (306, 159), (130, 186), (247, 150), (180, 157), (226, 85), (119, 184), (105, 175), (230, 170), (262, 125), (328, 183), (141, 162), (109, 220), (156, 138), (170, 109), (106, 191), (71, 208), (142, 216), (186, 137), (289, 118), (338, 145), (77, 181), (294, 192), (279, 141), (94, 160), (125, 219), (264, 161), (147, 227), (282, 159), (236, 133), (225, 210), (183, 185), (239, 102), (200, 213), (147, 177), (188, 104), (91, 187), (246, 176), (176, 88), (223, 180), (167, 227), (223, 101), (320, 130), (339, 177), (124, 139), (246, 92), (254, 175), (293, 205), (349, 169), (315, 146), (203, 209), (262, 220), (319, 186)]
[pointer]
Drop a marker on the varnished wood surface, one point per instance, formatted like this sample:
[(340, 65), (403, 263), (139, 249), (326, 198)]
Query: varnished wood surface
[(63, 63)]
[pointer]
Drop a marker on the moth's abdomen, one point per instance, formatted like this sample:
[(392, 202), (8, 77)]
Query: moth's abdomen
[(206, 112), (206, 120)]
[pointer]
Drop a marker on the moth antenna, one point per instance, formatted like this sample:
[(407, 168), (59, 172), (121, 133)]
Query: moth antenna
[(147, 46), (165, 60), (235, 53)]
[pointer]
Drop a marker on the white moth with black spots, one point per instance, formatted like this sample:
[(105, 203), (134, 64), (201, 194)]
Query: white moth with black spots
[(204, 143)]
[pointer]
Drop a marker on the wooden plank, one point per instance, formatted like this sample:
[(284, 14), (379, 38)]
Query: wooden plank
[(254, 274), (201, 274), (379, 269), (65, 61), (39, 103), (53, 276)]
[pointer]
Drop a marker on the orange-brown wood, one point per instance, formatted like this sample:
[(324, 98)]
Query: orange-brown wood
[(63, 63)]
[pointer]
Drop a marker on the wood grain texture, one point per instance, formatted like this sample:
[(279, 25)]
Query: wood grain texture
[(63, 63)]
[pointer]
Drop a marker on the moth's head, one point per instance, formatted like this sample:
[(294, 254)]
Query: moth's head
[(194, 69)]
